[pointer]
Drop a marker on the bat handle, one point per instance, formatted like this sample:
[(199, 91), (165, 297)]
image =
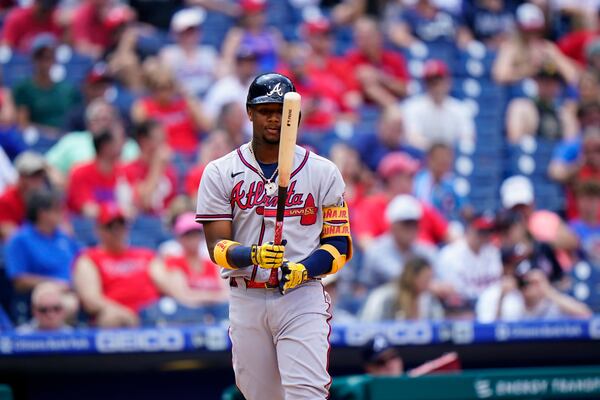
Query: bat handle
[(281, 198)]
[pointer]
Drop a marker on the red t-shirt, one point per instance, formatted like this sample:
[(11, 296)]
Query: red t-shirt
[(125, 276), (89, 27), (177, 122), (573, 44), (22, 25), (370, 220), (586, 173), (391, 63), (192, 180), (88, 184), (12, 206), (207, 279), (136, 171)]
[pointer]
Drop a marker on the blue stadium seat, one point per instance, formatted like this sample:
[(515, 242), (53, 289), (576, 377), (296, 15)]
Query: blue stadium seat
[(84, 230)]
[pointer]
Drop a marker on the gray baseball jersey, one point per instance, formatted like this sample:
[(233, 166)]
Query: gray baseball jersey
[(232, 189), (280, 349)]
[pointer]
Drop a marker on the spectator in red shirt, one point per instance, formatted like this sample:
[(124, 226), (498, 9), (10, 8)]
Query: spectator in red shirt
[(180, 114), (397, 171), (151, 177), (93, 183), (322, 64), (24, 23), (92, 27), (112, 279), (382, 73), (321, 100), (32, 177), (193, 275)]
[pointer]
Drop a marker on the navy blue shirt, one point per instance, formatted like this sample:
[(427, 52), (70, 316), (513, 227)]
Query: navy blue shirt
[(31, 252), (439, 29), (486, 24)]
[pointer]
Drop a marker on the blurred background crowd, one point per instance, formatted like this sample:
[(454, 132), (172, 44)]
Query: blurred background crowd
[(467, 132)]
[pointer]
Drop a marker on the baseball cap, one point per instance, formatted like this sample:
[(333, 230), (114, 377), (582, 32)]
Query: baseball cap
[(98, 73), (404, 207), (110, 212), (29, 162), (249, 6), (246, 52), (530, 17), (550, 71), (187, 18), (43, 41), (396, 162), (316, 26), (435, 69), (483, 222), (117, 16), (378, 349), (516, 190), (186, 223)]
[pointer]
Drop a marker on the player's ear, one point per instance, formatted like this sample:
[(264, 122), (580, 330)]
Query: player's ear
[(249, 112)]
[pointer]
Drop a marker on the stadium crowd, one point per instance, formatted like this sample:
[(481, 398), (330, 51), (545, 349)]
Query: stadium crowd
[(109, 111)]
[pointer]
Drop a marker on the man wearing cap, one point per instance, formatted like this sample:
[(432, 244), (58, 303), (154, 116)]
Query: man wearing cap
[(381, 358), (193, 64), (23, 24), (452, 123), (325, 66), (471, 264), (43, 104), (27, 252), (32, 177), (397, 170), (548, 114), (385, 257), (113, 279), (517, 194), (382, 73)]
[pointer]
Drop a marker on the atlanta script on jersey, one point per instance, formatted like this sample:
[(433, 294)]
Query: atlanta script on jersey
[(232, 189)]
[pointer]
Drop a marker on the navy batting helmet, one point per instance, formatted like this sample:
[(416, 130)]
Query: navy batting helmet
[(269, 88)]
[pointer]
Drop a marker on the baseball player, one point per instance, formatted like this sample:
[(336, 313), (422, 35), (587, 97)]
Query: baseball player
[(279, 322)]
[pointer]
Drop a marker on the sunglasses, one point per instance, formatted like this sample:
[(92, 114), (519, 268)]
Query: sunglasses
[(47, 309)]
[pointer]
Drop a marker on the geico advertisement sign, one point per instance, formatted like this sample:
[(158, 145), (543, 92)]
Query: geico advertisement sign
[(397, 333), (147, 340)]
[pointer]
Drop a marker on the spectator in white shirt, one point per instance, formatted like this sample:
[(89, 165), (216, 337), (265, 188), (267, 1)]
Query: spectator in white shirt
[(385, 258), (472, 264), (435, 116), (234, 87), (194, 66)]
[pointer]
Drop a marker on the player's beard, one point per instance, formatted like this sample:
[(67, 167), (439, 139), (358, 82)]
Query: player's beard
[(270, 139)]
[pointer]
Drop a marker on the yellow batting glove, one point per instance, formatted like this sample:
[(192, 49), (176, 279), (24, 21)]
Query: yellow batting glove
[(292, 275), (268, 255)]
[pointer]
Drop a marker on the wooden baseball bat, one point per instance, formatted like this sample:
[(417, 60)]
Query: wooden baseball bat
[(287, 150)]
